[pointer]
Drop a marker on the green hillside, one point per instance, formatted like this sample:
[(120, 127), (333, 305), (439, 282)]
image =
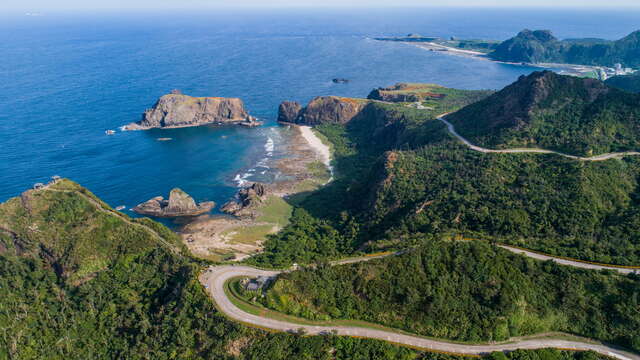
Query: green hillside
[(467, 291), (80, 281), (399, 172), (629, 83), (540, 46), (573, 115)]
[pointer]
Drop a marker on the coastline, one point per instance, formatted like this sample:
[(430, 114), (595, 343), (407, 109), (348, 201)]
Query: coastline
[(323, 151), (568, 69), (229, 238)]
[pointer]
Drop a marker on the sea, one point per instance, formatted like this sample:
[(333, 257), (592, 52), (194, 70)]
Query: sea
[(66, 78)]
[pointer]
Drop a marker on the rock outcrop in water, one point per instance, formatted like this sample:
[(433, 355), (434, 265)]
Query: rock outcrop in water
[(247, 198), (178, 110), (321, 110), (179, 204)]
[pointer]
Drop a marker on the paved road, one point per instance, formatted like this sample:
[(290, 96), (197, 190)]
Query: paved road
[(578, 264), (471, 146), (215, 277)]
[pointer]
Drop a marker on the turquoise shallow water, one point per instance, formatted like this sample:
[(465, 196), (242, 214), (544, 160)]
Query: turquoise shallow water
[(66, 78)]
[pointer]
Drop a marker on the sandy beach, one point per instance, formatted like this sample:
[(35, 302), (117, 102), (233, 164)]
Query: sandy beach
[(323, 151), (224, 237)]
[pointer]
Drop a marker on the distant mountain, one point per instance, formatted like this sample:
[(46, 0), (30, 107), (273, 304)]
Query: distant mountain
[(629, 83), (574, 115), (540, 46)]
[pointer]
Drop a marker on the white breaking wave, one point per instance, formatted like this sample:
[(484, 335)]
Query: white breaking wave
[(269, 146), (241, 180)]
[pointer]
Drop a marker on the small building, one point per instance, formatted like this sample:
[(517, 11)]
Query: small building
[(55, 178), (38, 186), (258, 283)]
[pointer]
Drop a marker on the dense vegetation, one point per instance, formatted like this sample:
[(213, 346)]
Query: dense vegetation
[(541, 47), (468, 291), (629, 83), (143, 301), (79, 281), (325, 225), (400, 172), (573, 115)]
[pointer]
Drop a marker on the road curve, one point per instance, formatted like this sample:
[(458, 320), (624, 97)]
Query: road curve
[(569, 262), (215, 278), (471, 146)]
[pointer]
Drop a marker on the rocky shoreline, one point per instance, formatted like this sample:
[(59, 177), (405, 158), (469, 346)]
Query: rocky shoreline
[(260, 209)]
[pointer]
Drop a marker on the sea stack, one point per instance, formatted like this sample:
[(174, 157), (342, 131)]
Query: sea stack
[(177, 110), (179, 204)]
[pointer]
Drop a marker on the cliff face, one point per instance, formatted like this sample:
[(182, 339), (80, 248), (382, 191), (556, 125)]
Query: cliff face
[(177, 110), (179, 204), (288, 111), (322, 110)]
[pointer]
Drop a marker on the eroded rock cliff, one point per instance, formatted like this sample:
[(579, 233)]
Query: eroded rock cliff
[(178, 110), (322, 110)]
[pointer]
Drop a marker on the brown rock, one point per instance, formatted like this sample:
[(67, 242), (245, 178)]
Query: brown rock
[(177, 110), (179, 204), (331, 110), (288, 111), (247, 199)]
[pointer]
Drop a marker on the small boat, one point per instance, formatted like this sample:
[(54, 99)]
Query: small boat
[(120, 208), (110, 132), (164, 139)]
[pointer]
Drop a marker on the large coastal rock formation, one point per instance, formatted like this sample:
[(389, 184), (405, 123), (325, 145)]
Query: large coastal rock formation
[(178, 110), (405, 92), (179, 204), (321, 110), (288, 111), (247, 198)]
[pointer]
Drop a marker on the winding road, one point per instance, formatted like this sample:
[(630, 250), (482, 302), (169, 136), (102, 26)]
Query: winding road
[(215, 278), (570, 262), (471, 146)]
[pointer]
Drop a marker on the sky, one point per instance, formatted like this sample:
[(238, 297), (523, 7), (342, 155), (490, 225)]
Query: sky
[(43, 5)]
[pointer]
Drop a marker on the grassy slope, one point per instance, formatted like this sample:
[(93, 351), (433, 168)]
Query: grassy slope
[(467, 291), (123, 293)]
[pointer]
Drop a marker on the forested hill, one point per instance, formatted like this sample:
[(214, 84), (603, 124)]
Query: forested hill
[(400, 175), (629, 83), (574, 115), (81, 281), (540, 46)]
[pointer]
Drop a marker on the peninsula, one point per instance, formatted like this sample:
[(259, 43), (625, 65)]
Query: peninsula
[(177, 110), (588, 57)]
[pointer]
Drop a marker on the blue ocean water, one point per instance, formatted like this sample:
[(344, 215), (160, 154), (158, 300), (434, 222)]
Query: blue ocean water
[(66, 78)]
